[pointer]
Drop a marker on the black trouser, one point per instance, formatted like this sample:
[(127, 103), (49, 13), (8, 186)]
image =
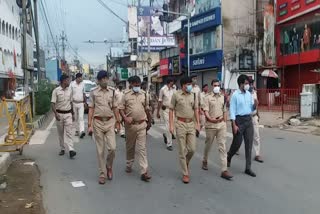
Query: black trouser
[(245, 132)]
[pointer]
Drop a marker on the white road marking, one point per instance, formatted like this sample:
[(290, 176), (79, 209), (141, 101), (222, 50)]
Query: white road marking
[(40, 136)]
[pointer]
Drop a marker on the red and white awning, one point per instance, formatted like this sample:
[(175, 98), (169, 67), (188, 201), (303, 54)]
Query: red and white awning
[(269, 73)]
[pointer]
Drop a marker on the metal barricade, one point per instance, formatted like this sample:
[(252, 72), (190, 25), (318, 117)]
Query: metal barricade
[(277, 100), (20, 126)]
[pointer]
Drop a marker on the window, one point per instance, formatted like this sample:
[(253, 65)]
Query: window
[(7, 29), (206, 42), (3, 28), (202, 6), (10, 31), (300, 36)]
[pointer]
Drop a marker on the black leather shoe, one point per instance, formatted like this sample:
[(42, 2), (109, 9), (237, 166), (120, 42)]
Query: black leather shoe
[(72, 154), (82, 135), (145, 177), (61, 152), (165, 139), (170, 148), (250, 173)]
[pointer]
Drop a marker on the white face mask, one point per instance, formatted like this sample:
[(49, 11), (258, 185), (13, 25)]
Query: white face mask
[(247, 87), (136, 89), (216, 90)]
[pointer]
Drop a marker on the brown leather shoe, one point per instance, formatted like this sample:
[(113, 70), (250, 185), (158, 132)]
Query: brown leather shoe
[(145, 177), (128, 169), (186, 179), (226, 175), (102, 180), (204, 165), (258, 159), (109, 174)]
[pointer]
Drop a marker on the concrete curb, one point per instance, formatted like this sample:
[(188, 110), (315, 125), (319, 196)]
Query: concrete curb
[(5, 161), (42, 120)]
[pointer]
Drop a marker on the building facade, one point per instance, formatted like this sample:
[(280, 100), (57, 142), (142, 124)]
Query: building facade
[(10, 43), (298, 42), (206, 54)]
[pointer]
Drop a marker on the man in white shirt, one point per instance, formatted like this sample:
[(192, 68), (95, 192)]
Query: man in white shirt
[(78, 100), (205, 90), (197, 91), (165, 96), (256, 126)]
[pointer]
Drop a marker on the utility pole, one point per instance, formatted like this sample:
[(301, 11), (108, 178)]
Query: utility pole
[(24, 47), (149, 52), (63, 39), (36, 30), (256, 49)]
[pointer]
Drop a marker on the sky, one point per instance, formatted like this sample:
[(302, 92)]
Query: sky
[(83, 20)]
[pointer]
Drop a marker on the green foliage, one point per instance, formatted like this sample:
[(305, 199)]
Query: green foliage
[(43, 97)]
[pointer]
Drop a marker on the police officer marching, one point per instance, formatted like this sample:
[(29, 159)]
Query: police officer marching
[(62, 108), (165, 96), (184, 105), (102, 117), (134, 109), (214, 108)]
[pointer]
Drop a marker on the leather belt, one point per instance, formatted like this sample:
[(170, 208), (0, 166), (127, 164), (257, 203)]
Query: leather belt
[(64, 112), (103, 119), (77, 101), (185, 120), (138, 122)]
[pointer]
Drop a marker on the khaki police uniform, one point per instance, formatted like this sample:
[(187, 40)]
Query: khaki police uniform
[(62, 100), (183, 104), (165, 97), (78, 105), (135, 105), (256, 131), (120, 95), (202, 116), (103, 102), (215, 106)]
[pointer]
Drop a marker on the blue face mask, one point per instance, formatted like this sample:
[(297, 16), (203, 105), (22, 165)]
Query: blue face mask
[(136, 89), (189, 88)]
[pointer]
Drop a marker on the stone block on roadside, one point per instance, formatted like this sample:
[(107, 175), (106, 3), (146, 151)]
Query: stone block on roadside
[(294, 122), (5, 162)]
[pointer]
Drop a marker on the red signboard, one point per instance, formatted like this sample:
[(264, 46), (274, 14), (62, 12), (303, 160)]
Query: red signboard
[(164, 67), (287, 9)]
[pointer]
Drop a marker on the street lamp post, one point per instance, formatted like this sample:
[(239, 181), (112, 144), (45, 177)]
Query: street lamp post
[(188, 15)]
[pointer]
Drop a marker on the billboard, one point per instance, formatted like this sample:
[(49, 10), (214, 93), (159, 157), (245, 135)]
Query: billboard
[(209, 19), (149, 20), (133, 22), (164, 67), (289, 9), (268, 39)]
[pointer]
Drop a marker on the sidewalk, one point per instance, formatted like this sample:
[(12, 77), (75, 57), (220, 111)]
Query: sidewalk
[(274, 119)]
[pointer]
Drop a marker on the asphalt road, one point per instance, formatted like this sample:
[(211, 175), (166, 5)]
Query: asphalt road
[(287, 183)]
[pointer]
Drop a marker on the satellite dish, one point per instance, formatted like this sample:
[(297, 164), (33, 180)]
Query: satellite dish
[(19, 3)]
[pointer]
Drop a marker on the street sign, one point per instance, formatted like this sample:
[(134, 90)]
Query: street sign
[(124, 73)]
